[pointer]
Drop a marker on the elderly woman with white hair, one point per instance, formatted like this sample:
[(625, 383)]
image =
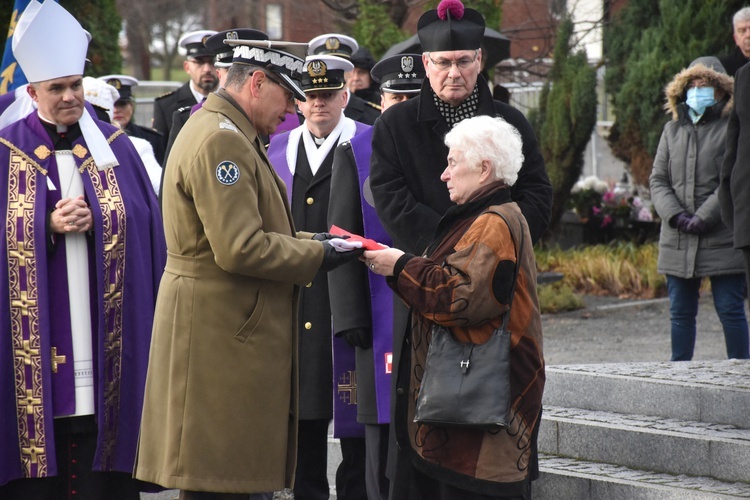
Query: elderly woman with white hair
[(465, 282)]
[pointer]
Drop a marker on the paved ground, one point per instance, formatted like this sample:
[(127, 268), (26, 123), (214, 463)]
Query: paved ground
[(610, 330)]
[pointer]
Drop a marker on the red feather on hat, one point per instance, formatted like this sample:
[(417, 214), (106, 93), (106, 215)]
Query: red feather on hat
[(453, 7)]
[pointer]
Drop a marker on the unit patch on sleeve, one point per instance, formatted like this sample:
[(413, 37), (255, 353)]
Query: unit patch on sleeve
[(227, 173)]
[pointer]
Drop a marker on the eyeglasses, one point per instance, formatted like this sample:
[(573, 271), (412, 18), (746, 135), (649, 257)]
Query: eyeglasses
[(462, 64), (203, 61), (289, 93)]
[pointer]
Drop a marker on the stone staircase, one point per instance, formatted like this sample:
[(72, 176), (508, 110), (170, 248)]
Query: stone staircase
[(646, 431)]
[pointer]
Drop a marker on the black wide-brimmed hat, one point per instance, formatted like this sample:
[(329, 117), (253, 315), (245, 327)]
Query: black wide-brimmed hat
[(450, 27)]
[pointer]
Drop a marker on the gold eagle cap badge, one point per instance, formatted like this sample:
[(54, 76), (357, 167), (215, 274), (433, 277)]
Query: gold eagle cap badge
[(317, 68)]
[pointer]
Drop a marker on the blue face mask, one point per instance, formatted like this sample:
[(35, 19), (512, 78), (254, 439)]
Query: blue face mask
[(700, 98)]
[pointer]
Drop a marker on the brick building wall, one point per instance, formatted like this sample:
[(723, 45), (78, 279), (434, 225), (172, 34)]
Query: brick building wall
[(290, 20)]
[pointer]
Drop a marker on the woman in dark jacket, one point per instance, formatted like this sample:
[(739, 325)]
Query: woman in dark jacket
[(694, 243), (464, 282)]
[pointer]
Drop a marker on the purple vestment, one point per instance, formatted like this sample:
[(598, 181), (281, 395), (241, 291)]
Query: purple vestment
[(126, 255), (381, 296), (344, 364)]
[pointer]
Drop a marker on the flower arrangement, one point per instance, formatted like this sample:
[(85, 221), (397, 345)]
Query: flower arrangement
[(607, 204), (586, 195)]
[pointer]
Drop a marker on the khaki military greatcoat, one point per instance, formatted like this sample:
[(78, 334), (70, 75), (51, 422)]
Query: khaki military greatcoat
[(220, 411)]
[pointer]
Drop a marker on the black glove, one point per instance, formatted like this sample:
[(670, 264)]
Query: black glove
[(328, 236), (333, 259), (696, 225), (357, 337), (681, 221)]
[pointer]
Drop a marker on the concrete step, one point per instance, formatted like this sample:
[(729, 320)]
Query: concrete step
[(570, 479), (672, 446), (700, 391)]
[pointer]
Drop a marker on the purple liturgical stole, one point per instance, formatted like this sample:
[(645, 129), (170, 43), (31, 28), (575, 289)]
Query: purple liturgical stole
[(381, 296), (344, 363)]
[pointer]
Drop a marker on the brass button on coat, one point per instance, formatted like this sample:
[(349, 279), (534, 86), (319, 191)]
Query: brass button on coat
[(308, 326), (310, 201)]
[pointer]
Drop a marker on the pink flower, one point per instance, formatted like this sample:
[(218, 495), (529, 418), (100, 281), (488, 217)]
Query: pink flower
[(608, 197), (596, 210), (606, 221)]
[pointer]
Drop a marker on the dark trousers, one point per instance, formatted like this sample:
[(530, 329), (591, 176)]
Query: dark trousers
[(423, 487), (204, 495), (75, 443), (311, 479), (350, 475), (728, 291), (376, 439)]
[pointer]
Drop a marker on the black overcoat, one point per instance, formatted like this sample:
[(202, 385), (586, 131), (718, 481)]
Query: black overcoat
[(310, 212), (361, 110), (408, 156), (166, 105), (734, 187)]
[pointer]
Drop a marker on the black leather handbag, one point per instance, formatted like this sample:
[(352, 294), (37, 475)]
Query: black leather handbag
[(466, 384)]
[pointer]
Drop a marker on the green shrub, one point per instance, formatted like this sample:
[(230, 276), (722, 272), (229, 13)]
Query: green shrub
[(620, 269), (558, 297)]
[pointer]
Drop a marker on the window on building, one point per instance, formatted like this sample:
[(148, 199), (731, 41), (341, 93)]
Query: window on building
[(274, 21)]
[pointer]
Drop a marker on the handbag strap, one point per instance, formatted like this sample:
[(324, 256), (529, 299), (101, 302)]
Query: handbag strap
[(519, 250)]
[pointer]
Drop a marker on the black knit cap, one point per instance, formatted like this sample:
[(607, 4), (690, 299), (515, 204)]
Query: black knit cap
[(450, 27), (362, 58)]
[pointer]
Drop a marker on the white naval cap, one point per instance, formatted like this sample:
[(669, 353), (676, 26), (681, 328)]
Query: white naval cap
[(332, 44)]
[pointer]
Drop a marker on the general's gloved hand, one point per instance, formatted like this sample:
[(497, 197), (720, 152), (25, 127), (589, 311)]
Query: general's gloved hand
[(696, 225), (682, 220), (328, 236), (357, 337), (342, 245), (333, 256)]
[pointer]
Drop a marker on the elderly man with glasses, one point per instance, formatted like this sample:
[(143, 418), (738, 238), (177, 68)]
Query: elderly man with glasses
[(408, 156)]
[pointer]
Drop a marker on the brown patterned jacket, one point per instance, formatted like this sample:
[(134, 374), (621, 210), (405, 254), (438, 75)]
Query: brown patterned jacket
[(464, 282)]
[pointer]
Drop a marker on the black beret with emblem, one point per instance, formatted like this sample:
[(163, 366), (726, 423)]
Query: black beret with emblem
[(324, 73), (333, 44), (399, 74), (222, 52), (124, 85), (192, 42), (450, 27)]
